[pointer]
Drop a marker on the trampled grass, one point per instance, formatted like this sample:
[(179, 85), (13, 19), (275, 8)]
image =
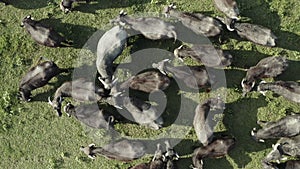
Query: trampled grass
[(31, 134)]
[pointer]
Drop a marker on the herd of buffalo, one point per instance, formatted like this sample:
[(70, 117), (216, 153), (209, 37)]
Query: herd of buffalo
[(112, 44)]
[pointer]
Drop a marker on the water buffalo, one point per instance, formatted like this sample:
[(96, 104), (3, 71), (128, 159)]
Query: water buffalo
[(42, 34), (148, 82), (151, 27), (284, 146), (288, 126), (80, 90), (228, 7), (109, 47), (265, 68), (123, 150), (91, 115), (194, 77), (217, 148), (66, 5), (289, 90), (202, 123), (197, 22), (206, 54), (38, 76), (170, 156), (254, 33)]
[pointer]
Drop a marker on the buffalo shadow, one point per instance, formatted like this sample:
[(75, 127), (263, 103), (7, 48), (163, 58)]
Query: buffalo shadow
[(290, 74), (77, 34), (28, 4), (95, 5), (240, 117)]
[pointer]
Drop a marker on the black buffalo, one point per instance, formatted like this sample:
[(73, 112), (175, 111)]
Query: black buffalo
[(38, 76), (42, 34)]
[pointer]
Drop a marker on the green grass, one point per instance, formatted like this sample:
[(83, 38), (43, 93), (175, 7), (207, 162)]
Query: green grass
[(32, 136)]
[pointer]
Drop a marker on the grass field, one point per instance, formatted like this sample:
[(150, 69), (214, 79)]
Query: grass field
[(32, 136)]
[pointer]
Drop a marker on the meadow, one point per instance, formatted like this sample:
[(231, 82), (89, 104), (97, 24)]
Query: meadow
[(32, 136)]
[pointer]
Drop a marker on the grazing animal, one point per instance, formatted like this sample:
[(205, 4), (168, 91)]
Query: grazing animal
[(38, 76), (197, 22), (109, 47), (217, 148), (265, 68), (288, 126), (90, 115), (151, 27), (170, 155), (289, 90), (228, 7), (80, 90), (284, 146), (124, 150), (203, 126), (147, 82), (254, 33), (194, 77), (42, 34), (66, 5), (206, 54)]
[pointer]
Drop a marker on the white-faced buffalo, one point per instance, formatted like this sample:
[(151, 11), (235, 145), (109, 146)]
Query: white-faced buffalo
[(147, 82), (228, 7), (194, 77), (265, 68), (203, 125), (80, 90), (254, 33), (288, 126), (91, 115), (206, 54), (66, 5), (151, 27), (284, 147), (289, 90), (170, 156), (124, 150), (216, 149), (42, 34), (38, 76), (197, 22), (110, 46)]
